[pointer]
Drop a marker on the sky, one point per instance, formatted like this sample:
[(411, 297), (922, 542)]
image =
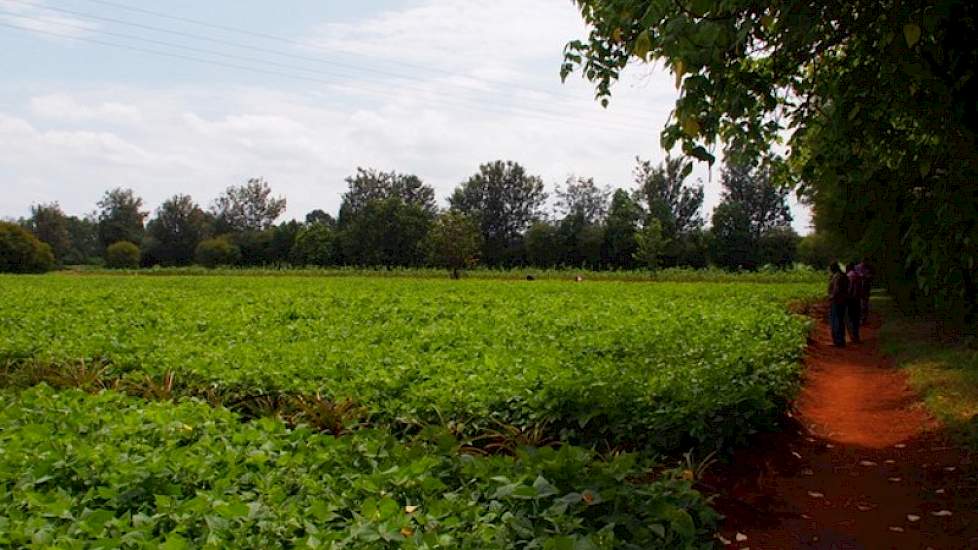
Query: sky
[(192, 97)]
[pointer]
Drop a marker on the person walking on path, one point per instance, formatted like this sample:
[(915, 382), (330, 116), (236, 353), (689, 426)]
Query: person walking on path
[(838, 296), (854, 303), (866, 273)]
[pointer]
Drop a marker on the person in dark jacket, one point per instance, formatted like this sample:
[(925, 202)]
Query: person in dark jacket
[(838, 296), (853, 304)]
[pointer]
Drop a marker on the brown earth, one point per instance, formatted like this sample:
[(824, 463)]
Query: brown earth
[(861, 465)]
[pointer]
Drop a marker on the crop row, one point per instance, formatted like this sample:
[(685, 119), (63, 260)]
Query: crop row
[(663, 366)]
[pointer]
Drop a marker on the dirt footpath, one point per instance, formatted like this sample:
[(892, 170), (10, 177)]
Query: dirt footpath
[(863, 466)]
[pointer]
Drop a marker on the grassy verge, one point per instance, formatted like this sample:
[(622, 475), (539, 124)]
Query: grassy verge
[(943, 368)]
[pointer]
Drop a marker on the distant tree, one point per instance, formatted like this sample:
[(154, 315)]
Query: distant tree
[(581, 197), (622, 223), (733, 239), (504, 200), (454, 242), (282, 241), (385, 232), (247, 208), (589, 244), (650, 242), (216, 252), (763, 201), (666, 197), (818, 250), (315, 244), (120, 217), (83, 236), (544, 246), (320, 217), (49, 224), (122, 255), (173, 235), (22, 252), (778, 247), (370, 185)]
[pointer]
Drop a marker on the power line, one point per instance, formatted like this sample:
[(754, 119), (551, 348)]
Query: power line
[(358, 88), (390, 74)]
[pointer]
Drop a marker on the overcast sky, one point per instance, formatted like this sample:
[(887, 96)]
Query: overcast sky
[(190, 97)]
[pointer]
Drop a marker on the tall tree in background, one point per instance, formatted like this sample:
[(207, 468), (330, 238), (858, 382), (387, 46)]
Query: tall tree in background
[(49, 224), (454, 242), (85, 245), (877, 98), (582, 198), (765, 203), (666, 196), (373, 185), (120, 217), (388, 232), (248, 208), (505, 201), (321, 217), (173, 234), (623, 222), (584, 206)]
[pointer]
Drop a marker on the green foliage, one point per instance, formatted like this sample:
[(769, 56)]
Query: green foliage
[(248, 208), (778, 247), (105, 469), (175, 232), (120, 218), (817, 250), (650, 243), (216, 252), (623, 221), (505, 201), (733, 241), (22, 252), (544, 247), (667, 198), (369, 185), (315, 244), (621, 363), (388, 232), (877, 100), (454, 242), (49, 224), (122, 255)]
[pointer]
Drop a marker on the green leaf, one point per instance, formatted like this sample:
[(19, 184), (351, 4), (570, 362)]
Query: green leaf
[(912, 33), (643, 43)]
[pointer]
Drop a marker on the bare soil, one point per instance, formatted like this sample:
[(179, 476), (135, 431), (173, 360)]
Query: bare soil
[(861, 464)]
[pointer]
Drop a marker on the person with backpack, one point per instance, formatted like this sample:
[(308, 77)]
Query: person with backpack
[(854, 303), (838, 297)]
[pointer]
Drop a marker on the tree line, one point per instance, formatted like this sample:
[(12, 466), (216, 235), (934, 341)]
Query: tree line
[(498, 217)]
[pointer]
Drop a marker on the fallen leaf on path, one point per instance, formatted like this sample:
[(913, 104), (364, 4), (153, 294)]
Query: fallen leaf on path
[(890, 461), (939, 491), (815, 494), (863, 508), (900, 446), (807, 472), (896, 479), (723, 541), (806, 516), (867, 463), (829, 446), (740, 537), (912, 518), (941, 514), (896, 529), (949, 468), (796, 455)]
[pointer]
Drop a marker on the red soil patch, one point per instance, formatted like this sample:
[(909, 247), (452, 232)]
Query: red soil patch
[(861, 465)]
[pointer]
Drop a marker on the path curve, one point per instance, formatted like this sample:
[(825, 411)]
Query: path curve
[(861, 465)]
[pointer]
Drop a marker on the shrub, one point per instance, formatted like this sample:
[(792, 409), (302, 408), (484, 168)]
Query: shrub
[(22, 252), (122, 255), (218, 251)]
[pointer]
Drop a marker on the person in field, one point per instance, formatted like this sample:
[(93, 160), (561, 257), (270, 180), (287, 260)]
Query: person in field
[(838, 296), (866, 272), (854, 303)]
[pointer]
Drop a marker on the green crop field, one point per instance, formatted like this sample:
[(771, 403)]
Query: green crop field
[(363, 412)]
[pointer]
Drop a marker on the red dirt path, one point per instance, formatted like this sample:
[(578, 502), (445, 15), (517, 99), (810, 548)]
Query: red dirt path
[(863, 465)]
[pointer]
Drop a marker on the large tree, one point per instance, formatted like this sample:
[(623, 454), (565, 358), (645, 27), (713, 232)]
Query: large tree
[(373, 185), (764, 202), (120, 217), (454, 242), (581, 197), (623, 222), (173, 234), (247, 208), (505, 201), (663, 191), (49, 224), (387, 232), (876, 100)]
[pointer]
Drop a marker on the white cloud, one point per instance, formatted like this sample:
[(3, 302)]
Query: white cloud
[(31, 15), (63, 107)]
